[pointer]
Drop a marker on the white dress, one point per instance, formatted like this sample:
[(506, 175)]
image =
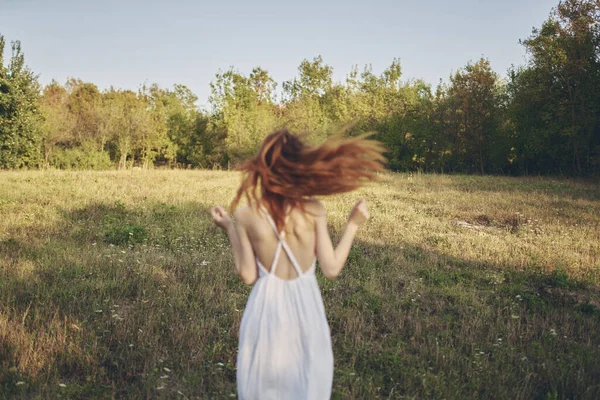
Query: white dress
[(285, 343)]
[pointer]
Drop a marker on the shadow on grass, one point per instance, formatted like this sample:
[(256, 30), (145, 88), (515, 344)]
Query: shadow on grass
[(135, 292), (143, 303), (562, 189), (427, 325)]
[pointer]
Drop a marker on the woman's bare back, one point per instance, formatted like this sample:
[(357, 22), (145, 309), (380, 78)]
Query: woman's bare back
[(298, 232)]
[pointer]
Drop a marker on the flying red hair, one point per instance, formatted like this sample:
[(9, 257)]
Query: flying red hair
[(286, 171)]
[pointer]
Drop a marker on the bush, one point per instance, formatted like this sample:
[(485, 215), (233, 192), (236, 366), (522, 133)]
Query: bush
[(126, 235), (81, 158)]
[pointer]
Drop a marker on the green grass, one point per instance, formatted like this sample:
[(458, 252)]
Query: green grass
[(116, 285)]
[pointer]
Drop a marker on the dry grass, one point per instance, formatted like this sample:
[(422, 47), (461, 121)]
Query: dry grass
[(115, 284)]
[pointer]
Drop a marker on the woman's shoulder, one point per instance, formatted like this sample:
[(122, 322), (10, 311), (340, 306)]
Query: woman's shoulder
[(243, 214), (314, 207)]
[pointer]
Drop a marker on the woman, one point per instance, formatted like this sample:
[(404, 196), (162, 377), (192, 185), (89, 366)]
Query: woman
[(285, 345)]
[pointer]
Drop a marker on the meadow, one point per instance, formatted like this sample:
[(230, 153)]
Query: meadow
[(117, 285)]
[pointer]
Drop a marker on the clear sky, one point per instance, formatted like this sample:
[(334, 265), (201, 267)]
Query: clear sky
[(125, 43)]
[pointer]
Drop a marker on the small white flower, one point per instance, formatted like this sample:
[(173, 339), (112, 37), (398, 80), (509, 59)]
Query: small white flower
[(166, 369), (20, 383), (62, 385)]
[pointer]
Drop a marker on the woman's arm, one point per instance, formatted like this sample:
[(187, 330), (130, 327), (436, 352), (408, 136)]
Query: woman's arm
[(332, 260), (243, 256)]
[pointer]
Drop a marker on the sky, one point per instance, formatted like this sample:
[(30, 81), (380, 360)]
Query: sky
[(126, 43)]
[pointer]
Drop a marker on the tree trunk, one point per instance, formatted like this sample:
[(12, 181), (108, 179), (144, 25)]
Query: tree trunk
[(481, 162), (574, 132), (123, 159), (576, 161)]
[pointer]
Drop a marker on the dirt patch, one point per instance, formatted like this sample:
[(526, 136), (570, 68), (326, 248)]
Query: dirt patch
[(511, 222)]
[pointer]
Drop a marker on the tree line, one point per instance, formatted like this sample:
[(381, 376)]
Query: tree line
[(543, 118)]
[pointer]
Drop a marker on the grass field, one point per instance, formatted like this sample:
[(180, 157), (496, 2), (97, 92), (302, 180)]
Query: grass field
[(116, 285)]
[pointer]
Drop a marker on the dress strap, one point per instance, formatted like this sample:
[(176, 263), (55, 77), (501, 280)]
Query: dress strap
[(282, 244), (291, 256), (276, 257), (279, 235)]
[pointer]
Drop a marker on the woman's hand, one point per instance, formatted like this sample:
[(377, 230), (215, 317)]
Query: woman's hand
[(221, 218), (359, 213)]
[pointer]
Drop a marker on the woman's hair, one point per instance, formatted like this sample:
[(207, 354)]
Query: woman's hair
[(286, 171)]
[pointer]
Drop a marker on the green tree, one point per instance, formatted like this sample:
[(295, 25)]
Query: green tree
[(263, 85), (58, 121), (83, 101), (20, 116), (242, 110), (475, 100), (556, 104), (307, 100), (179, 113), (315, 78)]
